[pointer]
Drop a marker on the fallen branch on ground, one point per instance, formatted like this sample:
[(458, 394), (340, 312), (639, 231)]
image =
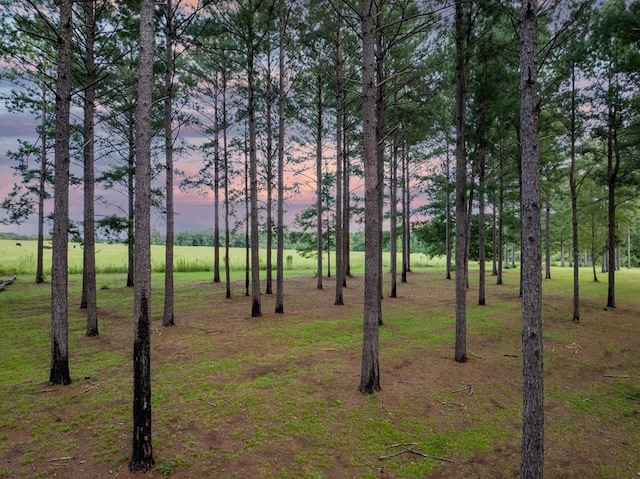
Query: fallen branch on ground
[(66, 458), (465, 387), (617, 376), (85, 391), (413, 451)]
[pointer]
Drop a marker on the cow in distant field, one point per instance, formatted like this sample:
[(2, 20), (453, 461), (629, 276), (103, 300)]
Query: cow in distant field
[(18, 244)]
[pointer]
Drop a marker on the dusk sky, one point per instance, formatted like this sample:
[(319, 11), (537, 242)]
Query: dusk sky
[(194, 211)]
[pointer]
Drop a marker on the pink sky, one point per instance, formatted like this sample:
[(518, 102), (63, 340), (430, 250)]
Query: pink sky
[(193, 211)]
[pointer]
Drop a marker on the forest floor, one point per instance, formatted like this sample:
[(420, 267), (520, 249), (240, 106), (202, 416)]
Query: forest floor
[(276, 396)]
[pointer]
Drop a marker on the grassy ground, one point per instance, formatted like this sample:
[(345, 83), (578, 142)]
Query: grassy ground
[(20, 257), (275, 397)]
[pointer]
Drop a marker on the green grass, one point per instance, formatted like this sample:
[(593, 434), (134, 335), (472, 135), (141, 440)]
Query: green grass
[(275, 397)]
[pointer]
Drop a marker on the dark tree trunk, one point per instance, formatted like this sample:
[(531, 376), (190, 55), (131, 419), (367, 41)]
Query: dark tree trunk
[(405, 216), (370, 373), (268, 288), (256, 309), (42, 191), (447, 207), (89, 299), (131, 213), (481, 230), (319, 126), (142, 453), (500, 221), (547, 236), (393, 213), (339, 300), (225, 154), (216, 188), (279, 309), (532, 346), (59, 373), (613, 167), (247, 242), (168, 314), (461, 189)]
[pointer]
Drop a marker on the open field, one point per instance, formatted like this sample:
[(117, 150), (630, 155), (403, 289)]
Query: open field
[(20, 257), (276, 396)]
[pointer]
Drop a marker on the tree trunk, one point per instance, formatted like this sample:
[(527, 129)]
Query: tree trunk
[(142, 454), (613, 166), (89, 300), (268, 288), (500, 221), (628, 247), (393, 204), (319, 126), (447, 207), (225, 154), (216, 187), (279, 309), (481, 230), (247, 230), (168, 315), (370, 373), (461, 189), (256, 310), (346, 210), (339, 299), (131, 213), (42, 190), (532, 347), (494, 259), (547, 236), (405, 215), (59, 373)]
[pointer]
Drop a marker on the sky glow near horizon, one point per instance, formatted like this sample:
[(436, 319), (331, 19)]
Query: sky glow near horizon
[(194, 211)]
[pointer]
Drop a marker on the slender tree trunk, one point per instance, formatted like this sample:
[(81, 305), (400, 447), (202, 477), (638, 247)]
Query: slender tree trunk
[(481, 230), (447, 208), (247, 242), (494, 259), (500, 221), (319, 127), (256, 309), (42, 190), (59, 373), (281, 131), (216, 187), (613, 166), (381, 92), (142, 454), (225, 153), (461, 189), (628, 247), (168, 314), (339, 299), (532, 347), (547, 235), (393, 213), (268, 288), (405, 215), (370, 373), (346, 210), (89, 300), (131, 199)]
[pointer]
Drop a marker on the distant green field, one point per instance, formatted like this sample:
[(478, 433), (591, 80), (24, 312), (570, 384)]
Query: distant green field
[(112, 258)]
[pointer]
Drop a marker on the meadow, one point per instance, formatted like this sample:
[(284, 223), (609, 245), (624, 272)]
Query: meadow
[(19, 257), (276, 396)]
